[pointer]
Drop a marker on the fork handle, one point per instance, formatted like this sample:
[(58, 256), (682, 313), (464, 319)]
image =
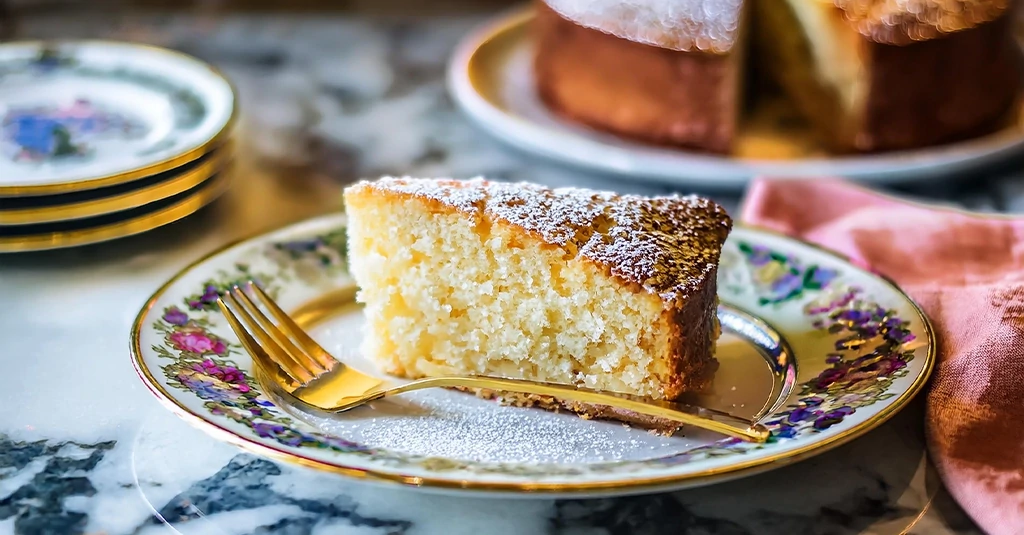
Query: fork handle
[(704, 418)]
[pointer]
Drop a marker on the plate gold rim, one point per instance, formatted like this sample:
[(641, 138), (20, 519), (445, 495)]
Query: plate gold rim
[(106, 205), (167, 164), (638, 485), (121, 229)]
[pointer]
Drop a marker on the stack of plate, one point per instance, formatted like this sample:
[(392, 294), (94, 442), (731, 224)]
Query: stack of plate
[(100, 140)]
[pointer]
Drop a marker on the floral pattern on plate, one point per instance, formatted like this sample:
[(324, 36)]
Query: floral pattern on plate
[(48, 132), (87, 111), (867, 361)]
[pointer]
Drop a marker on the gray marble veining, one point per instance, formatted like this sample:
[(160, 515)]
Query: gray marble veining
[(328, 99)]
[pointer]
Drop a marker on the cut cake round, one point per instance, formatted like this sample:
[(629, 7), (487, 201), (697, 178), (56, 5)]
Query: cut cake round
[(868, 75)]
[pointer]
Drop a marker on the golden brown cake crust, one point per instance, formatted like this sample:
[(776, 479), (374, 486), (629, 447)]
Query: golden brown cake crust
[(901, 22), (644, 92), (669, 246), (942, 90), (587, 411)]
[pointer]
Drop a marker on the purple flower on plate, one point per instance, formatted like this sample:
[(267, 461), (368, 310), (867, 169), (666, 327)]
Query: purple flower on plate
[(268, 430), (830, 303), (759, 255), (175, 316), (197, 342), (787, 284), (204, 389), (832, 417), (828, 377), (893, 324), (833, 358), (784, 431), (342, 444), (801, 414), (822, 277), (282, 434), (210, 294), (228, 374), (853, 316), (899, 335), (233, 375), (888, 366)]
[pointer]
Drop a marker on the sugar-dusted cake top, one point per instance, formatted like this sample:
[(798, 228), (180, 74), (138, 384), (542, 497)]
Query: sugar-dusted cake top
[(705, 25), (713, 25), (667, 245), (902, 22)]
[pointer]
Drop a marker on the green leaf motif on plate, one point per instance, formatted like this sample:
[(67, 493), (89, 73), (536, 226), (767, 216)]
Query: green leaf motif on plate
[(780, 278)]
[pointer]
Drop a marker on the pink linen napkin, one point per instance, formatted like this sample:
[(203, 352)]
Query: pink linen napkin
[(967, 273)]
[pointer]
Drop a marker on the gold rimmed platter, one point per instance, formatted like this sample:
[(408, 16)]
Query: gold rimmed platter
[(80, 115), (111, 199), (110, 226), (490, 78), (818, 349)]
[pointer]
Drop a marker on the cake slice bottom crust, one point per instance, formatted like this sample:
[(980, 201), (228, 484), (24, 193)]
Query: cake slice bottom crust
[(587, 411)]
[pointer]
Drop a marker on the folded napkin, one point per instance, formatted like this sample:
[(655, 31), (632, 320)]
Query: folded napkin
[(967, 273)]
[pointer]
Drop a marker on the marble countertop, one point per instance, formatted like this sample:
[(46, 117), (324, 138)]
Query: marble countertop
[(84, 447)]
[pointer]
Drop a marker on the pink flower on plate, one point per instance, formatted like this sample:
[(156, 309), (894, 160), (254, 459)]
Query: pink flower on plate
[(197, 342)]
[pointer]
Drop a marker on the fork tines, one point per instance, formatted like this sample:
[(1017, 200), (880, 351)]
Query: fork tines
[(284, 345)]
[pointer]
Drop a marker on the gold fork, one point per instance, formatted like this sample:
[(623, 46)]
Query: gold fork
[(308, 372)]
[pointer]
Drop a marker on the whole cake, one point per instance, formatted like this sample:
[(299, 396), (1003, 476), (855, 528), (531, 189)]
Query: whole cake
[(611, 292), (869, 75)]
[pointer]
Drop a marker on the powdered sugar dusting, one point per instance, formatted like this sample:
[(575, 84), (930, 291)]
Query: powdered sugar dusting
[(905, 21), (669, 245), (706, 25), (466, 196), (557, 215)]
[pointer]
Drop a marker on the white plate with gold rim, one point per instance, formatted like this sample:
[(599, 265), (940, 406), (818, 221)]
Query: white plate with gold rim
[(822, 351), (77, 115), (490, 78), (114, 225), (38, 209)]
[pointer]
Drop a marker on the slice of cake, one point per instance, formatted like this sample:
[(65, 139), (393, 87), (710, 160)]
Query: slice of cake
[(875, 75), (663, 72), (611, 292)]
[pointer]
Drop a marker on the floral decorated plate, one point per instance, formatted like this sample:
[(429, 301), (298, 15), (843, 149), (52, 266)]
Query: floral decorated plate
[(491, 79), (79, 115), (820, 350)]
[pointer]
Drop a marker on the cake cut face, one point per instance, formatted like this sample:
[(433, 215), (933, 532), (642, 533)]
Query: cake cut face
[(611, 292), (878, 75)]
